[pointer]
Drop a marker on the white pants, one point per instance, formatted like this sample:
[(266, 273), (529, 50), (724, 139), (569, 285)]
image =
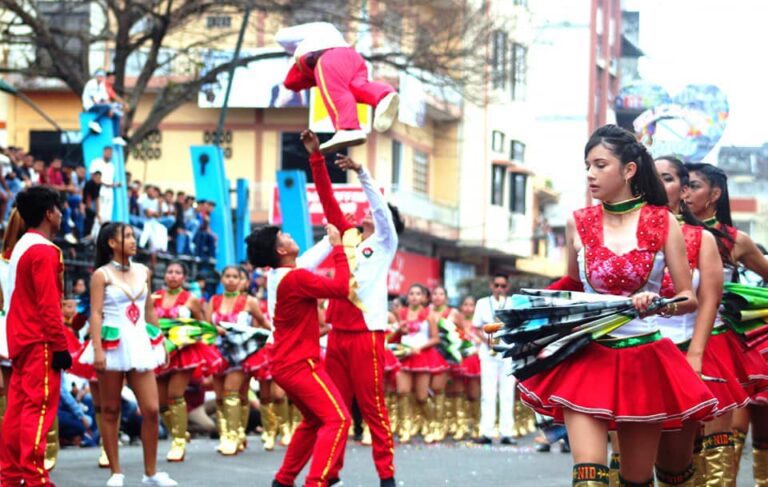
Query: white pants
[(496, 381), (106, 202)]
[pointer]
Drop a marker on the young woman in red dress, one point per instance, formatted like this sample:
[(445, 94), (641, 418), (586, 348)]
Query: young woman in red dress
[(172, 379), (633, 381), (708, 199), (231, 381), (418, 333), (439, 381), (467, 378)]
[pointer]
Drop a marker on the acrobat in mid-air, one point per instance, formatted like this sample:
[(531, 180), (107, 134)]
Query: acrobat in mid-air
[(324, 59)]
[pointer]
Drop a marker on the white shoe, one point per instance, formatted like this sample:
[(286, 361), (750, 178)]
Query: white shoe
[(342, 139), (160, 479), (116, 480), (95, 127), (71, 239), (386, 112), (119, 141)]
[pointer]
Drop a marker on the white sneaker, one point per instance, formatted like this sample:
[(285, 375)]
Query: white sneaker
[(386, 112), (70, 239), (116, 480), (160, 479), (342, 139), (119, 141), (95, 127)]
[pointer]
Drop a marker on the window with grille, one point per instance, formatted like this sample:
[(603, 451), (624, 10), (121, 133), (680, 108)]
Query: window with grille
[(519, 76), (517, 192), (420, 172), (499, 59), (497, 141), (516, 151), (218, 21), (498, 174)]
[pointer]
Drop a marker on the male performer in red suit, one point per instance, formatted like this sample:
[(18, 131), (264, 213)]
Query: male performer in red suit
[(37, 344), (355, 353), (296, 366), (324, 59)]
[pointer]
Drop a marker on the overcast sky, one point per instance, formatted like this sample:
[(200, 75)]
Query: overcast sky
[(721, 42)]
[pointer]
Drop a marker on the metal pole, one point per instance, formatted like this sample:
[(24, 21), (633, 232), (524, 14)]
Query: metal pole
[(225, 105)]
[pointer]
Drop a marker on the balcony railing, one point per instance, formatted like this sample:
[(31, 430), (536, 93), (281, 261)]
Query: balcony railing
[(422, 206)]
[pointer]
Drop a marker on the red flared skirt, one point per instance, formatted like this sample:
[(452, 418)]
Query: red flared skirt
[(392, 364), (84, 371), (258, 365), (747, 365), (470, 366), (427, 360), (197, 355), (650, 383)]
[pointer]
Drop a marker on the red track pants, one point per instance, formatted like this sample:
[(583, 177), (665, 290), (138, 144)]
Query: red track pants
[(322, 433), (33, 400), (342, 78), (355, 362)]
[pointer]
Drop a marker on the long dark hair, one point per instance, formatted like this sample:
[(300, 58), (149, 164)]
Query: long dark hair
[(717, 178), (104, 253), (625, 146), (684, 175)]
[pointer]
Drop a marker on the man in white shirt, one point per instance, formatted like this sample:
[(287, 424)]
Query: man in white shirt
[(495, 378), (107, 194), (96, 100)]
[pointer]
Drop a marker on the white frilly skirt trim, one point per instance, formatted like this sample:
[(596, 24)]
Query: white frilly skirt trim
[(133, 352)]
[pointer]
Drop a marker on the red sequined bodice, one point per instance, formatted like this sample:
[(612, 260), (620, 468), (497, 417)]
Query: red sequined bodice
[(173, 311), (625, 274), (231, 317), (692, 235)]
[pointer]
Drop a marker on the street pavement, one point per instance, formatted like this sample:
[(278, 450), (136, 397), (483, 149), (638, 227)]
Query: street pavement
[(417, 465)]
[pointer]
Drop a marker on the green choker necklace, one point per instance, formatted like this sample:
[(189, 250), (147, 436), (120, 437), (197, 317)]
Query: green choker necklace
[(711, 222), (173, 292), (233, 294), (680, 218), (623, 207)]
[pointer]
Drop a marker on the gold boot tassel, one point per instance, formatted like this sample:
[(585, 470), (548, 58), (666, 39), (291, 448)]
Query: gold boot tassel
[(427, 409), (283, 413), (475, 416), (590, 475), (438, 421), (450, 423), (405, 418), (268, 426), (461, 419), (221, 423), (229, 442), (739, 438), (613, 470), (52, 446), (242, 437), (718, 452), (760, 467), (177, 425), (296, 418)]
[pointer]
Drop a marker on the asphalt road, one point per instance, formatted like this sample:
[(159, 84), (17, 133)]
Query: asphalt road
[(417, 465)]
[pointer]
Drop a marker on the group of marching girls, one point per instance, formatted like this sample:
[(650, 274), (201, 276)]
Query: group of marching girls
[(677, 374)]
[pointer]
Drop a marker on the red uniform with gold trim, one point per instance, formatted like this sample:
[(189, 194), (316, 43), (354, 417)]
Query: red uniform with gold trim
[(35, 332), (296, 368)]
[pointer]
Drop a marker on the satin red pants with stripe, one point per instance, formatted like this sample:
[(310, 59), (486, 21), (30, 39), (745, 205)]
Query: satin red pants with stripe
[(342, 79), (355, 362), (33, 400), (322, 433)]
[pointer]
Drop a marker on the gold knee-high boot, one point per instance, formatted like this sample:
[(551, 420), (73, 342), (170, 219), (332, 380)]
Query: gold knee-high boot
[(676, 479), (427, 409), (221, 423), (283, 413), (268, 426), (699, 465), (52, 446), (228, 444), (461, 419), (438, 420), (760, 467), (718, 452), (450, 422), (613, 470), (366, 438), (474, 407), (242, 437), (296, 418), (590, 475), (103, 459), (739, 438), (405, 418), (177, 426), (392, 410)]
